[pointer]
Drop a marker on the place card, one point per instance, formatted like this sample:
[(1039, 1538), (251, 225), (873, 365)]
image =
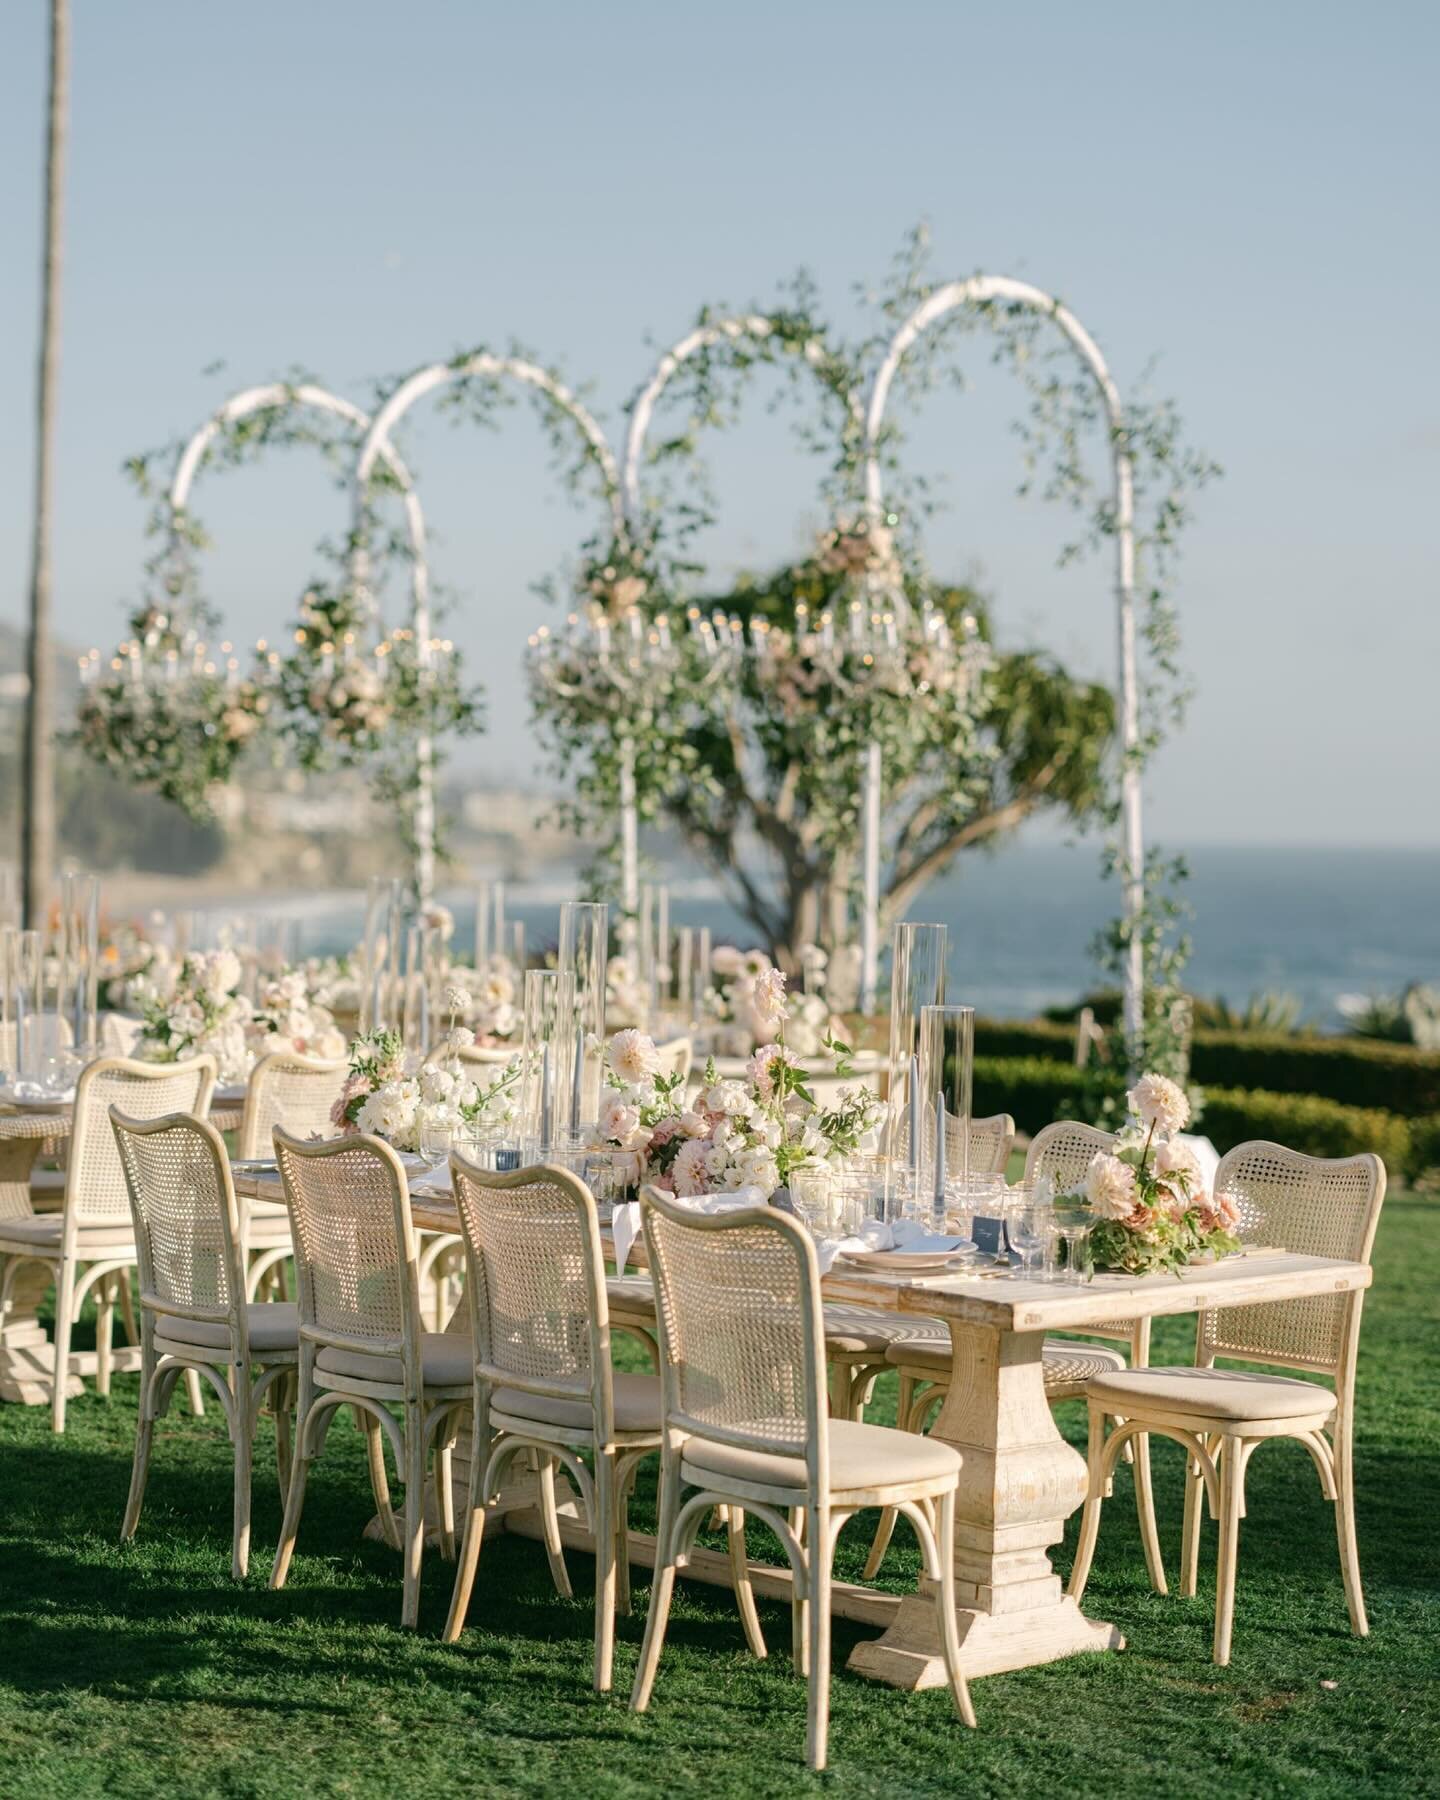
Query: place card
[(991, 1239)]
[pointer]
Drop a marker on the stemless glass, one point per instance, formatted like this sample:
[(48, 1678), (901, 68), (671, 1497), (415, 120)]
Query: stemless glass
[(436, 1135), (1027, 1222)]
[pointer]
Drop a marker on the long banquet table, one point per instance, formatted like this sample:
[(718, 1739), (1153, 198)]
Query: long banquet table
[(1020, 1480)]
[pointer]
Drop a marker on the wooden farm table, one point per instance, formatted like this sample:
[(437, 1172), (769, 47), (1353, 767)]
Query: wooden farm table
[(1020, 1480), (27, 1358)]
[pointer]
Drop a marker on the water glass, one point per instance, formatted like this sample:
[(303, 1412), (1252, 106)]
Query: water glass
[(436, 1136), (1028, 1226), (1074, 1234)]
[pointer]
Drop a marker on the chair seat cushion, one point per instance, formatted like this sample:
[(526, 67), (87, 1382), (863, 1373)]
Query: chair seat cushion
[(274, 1325), (1210, 1393), (861, 1456), (637, 1406), (44, 1230), (866, 1331), (631, 1297), (445, 1360), (1066, 1364)]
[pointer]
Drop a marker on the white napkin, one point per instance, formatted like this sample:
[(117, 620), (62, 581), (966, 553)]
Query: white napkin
[(625, 1221)]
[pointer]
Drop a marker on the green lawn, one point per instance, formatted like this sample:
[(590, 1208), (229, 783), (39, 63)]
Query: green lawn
[(144, 1670)]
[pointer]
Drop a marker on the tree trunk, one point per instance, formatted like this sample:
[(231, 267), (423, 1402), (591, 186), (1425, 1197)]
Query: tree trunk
[(37, 852)]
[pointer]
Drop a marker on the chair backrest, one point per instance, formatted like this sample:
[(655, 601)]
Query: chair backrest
[(1064, 1151), (677, 1056), (1311, 1206), (186, 1222), (119, 1033), (357, 1281), (742, 1342), (292, 1091), (991, 1141), (95, 1190), (535, 1283)]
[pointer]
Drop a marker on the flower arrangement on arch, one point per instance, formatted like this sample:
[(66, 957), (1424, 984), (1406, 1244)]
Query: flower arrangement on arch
[(1147, 1198)]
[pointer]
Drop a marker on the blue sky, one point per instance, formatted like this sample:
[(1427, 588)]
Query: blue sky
[(1242, 193)]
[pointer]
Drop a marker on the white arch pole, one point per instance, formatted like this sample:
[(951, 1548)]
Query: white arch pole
[(743, 325), (1001, 287), (375, 445), (256, 399)]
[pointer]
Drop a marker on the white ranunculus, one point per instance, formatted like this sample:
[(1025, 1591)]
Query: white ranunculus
[(1158, 1101), (694, 1124), (633, 1056), (1110, 1187), (620, 1123)]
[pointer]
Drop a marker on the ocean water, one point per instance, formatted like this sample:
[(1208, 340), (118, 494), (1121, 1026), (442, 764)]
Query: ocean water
[(1313, 923)]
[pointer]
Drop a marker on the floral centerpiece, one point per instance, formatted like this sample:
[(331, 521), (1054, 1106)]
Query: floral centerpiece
[(390, 1094), (194, 1007), (750, 1132), (737, 1000), (1147, 1199)]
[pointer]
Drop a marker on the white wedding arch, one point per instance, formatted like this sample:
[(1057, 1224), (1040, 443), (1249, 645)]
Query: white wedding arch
[(975, 290), (375, 447)]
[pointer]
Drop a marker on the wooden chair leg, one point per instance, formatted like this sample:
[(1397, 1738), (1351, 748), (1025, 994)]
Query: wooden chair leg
[(1345, 1522), (445, 1485), (550, 1522), (243, 1433), (1232, 1509), (104, 1333), (945, 1600), (144, 1441), (662, 1586), (379, 1481), (193, 1396), (469, 1558), (414, 1545), (622, 1546), (299, 1474), (800, 1604), (1190, 1528), (604, 1529), (282, 1400), (740, 1580), (1094, 1499), (64, 1324), (1145, 1506), (817, 1550), (127, 1307)]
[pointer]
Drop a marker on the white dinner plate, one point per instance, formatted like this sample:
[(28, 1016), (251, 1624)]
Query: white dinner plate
[(909, 1262)]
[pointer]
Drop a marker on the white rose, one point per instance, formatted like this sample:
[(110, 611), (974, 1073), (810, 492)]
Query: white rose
[(1158, 1101), (1110, 1187), (620, 1123), (730, 1098), (694, 1124)]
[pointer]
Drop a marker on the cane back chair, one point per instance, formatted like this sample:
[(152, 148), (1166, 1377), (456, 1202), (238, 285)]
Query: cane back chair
[(747, 1427), (194, 1314), (361, 1342), (545, 1388), (1310, 1206)]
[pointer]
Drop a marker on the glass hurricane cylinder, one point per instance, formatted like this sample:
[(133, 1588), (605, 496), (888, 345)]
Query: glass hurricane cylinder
[(78, 942), (547, 1083), (584, 956), (380, 956), (25, 1044), (947, 1069), (917, 980)]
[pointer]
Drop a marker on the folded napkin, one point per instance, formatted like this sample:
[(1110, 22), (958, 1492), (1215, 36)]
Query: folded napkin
[(625, 1221)]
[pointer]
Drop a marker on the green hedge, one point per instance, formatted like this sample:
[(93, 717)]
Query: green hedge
[(1036, 1090), (1354, 1071)]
